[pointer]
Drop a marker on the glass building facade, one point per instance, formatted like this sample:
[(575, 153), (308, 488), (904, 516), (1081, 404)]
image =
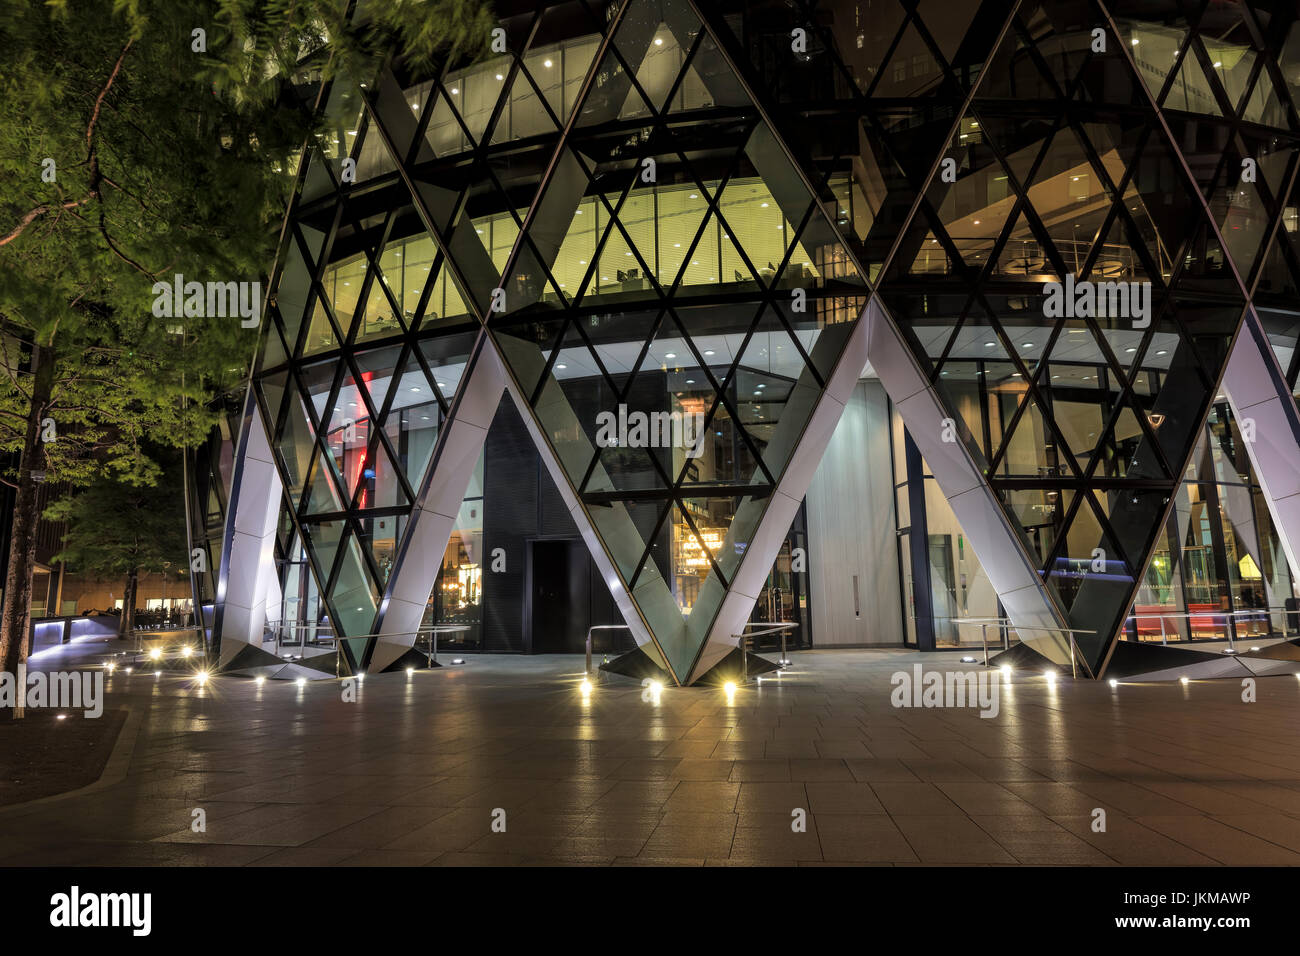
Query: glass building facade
[(687, 217)]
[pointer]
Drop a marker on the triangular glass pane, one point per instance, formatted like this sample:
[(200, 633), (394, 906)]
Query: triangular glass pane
[(678, 223), (322, 496), (1040, 513), (628, 253), (354, 595), (612, 96), (1156, 45), (376, 368), (318, 181), (322, 539), (444, 135), (1115, 258), (700, 542), (526, 114), (341, 121), (447, 357), (322, 335), (272, 350), (1243, 221), (292, 291), (527, 345), (446, 302), (380, 536), (381, 316), (1023, 257), (708, 82), (412, 429), (373, 480), (1277, 278), (272, 387), (949, 23), (472, 93), (1192, 90), (912, 70), (653, 38), (559, 68), (1232, 63), (342, 283), (1267, 104), (296, 446), (1031, 450), (374, 159)]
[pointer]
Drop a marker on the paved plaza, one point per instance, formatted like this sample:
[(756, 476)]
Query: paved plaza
[(415, 771)]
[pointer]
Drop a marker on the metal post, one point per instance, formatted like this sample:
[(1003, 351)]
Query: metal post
[(744, 664), (984, 636), (1074, 668), (1232, 630), (1163, 637), (433, 643), (587, 670), (783, 658)]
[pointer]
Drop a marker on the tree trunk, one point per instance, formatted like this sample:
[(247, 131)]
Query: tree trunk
[(127, 622), (16, 615)]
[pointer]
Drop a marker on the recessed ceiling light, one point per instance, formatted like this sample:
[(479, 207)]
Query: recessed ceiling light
[(561, 367)]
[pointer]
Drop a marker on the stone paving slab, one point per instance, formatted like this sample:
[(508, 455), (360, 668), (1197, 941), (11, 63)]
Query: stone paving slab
[(502, 762)]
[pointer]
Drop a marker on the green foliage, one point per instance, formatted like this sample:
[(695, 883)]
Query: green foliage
[(168, 161), (153, 176), (115, 527)]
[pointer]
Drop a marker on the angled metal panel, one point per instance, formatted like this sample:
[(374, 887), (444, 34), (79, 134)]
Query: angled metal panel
[(765, 545), (446, 479), (248, 578), (983, 520), (1263, 406)]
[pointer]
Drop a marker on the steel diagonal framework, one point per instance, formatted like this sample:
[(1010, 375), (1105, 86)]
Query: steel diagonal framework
[(728, 210)]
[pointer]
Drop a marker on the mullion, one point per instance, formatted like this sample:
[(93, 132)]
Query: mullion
[(1032, 393), (645, 551), (720, 390), (722, 578), (711, 199)]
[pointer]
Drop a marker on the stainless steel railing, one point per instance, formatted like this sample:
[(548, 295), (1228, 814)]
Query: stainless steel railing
[(743, 640), (600, 627), (1229, 619), (1008, 626)]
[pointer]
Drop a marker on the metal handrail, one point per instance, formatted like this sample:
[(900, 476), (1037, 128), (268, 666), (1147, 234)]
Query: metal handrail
[(600, 627), (742, 637), (434, 631), (984, 623), (1230, 623)]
